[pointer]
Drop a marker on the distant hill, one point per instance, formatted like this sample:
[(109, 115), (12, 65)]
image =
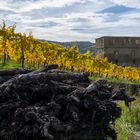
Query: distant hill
[(83, 46)]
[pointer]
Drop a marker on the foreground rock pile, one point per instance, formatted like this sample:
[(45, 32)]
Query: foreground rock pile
[(53, 105)]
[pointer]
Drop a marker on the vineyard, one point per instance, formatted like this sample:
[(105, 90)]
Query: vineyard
[(26, 49)]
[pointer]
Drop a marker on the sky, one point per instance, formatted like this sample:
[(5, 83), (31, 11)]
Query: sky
[(72, 20)]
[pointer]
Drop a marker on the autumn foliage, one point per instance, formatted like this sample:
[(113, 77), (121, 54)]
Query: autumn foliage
[(28, 50)]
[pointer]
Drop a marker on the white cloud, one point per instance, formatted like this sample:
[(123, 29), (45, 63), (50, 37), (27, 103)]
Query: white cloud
[(27, 6), (132, 15), (128, 3), (5, 5), (83, 22)]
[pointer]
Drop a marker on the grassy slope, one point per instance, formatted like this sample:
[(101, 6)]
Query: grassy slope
[(11, 65), (128, 126), (116, 80)]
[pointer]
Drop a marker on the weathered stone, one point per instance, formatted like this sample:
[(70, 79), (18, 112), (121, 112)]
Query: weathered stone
[(120, 50)]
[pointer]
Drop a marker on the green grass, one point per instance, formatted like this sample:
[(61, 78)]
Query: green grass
[(128, 126), (12, 65), (115, 80), (9, 65)]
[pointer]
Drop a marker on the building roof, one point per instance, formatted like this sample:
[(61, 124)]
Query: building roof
[(134, 37)]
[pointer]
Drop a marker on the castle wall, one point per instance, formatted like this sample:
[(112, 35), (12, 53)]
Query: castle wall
[(123, 51)]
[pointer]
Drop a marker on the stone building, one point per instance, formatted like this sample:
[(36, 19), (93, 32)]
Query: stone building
[(120, 50)]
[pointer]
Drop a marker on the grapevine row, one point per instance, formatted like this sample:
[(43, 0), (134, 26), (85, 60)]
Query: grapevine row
[(28, 50)]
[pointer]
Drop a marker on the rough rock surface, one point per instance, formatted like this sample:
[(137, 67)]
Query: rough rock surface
[(54, 105)]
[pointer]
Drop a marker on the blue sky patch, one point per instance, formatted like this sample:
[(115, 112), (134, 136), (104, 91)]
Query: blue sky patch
[(117, 9)]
